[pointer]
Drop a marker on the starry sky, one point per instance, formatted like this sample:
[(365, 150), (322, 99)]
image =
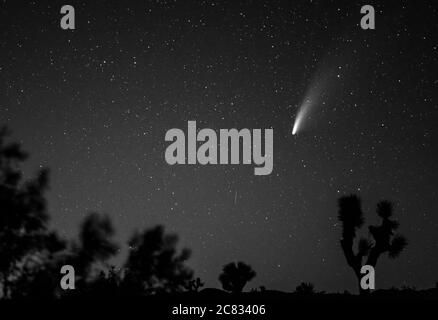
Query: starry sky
[(94, 104)]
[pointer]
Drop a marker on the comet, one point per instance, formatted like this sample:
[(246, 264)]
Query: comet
[(303, 112), (317, 90)]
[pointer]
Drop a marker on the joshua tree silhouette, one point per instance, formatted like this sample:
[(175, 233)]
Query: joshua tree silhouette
[(235, 276), (384, 240)]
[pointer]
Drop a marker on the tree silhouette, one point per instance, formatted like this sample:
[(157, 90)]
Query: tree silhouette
[(31, 256), (235, 276), (36, 275), (154, 265), (39, 272), (95, 244), (384, 240), (24, 235)]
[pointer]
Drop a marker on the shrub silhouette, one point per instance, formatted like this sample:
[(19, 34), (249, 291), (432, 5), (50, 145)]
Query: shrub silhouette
[(154, 265), (235, 276), (369, 250), (194, 285), (105, 285), (305, 288)]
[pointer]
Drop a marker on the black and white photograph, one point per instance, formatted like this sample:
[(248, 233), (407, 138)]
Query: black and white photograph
[(200, 159)]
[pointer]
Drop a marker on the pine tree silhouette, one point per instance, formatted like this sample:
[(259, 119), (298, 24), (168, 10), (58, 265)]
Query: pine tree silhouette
[(235, 276), (369, 250)]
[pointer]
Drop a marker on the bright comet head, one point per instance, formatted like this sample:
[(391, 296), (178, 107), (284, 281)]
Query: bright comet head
[(317, 89), (302, 111), (295, 128)]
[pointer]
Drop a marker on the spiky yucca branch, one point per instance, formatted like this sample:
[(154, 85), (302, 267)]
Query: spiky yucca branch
[(384, 238)]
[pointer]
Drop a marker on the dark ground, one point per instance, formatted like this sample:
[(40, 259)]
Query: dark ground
[(278, 305)]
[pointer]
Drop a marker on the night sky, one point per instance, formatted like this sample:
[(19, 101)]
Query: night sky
[(94, 104)]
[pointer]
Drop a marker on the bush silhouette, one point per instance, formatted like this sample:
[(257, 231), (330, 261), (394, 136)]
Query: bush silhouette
[(369, 250), (305, 288), (235, 276), (194, 285)]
